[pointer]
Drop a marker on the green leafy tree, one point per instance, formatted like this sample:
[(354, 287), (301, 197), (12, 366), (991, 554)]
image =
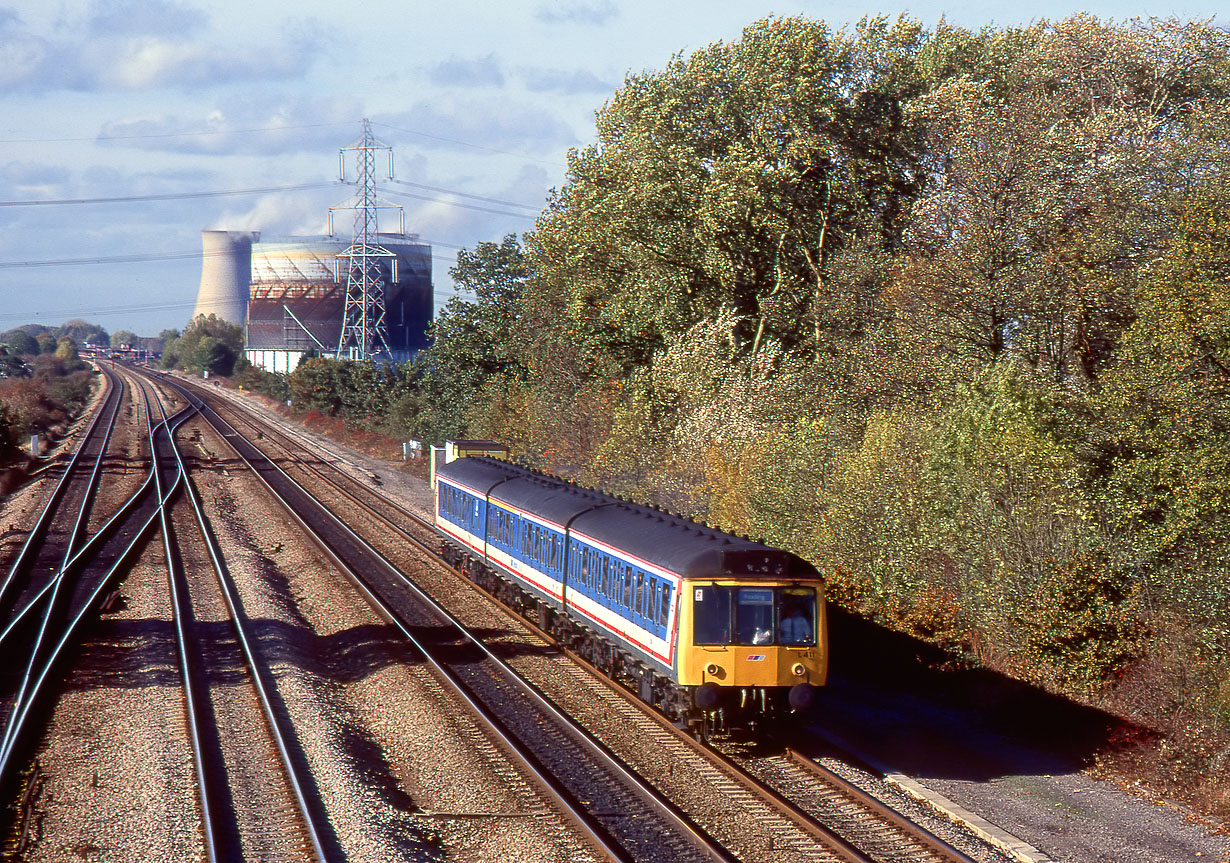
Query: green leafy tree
[(83, 332), (123, 339), (1002, 489), (730, 180), (66, 352), (1047, 175), (224, 345), (22, 343), (213, 355), (1166, 408), (472, 341)]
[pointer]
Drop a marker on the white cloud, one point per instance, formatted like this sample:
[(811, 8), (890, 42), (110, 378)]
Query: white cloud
[(103, 54), (245, 125), (594, 12), (568, 82), (479, 72), (502, 124)]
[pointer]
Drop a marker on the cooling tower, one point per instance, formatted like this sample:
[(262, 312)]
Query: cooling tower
[(226, 272)]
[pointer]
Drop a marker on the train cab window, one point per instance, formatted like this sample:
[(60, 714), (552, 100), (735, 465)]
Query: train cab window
[(710, 615), (796, 615), (754, 615)]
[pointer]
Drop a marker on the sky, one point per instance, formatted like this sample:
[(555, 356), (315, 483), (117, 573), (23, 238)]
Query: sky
[(129, 126)]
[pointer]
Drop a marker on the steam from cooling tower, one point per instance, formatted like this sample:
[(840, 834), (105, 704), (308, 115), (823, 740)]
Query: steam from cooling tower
[(226, 273)]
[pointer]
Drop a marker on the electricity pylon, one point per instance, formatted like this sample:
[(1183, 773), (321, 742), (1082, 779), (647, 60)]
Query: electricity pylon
[(364, 333)]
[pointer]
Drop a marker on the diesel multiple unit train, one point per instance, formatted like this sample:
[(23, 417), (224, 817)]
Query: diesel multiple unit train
[(714, 630)]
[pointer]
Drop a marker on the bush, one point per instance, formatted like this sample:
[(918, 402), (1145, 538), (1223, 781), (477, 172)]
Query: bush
[(10, 435), (1081, 625)]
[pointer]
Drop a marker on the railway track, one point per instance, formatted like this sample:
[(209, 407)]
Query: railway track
[(839, 820), (225, 767), (50, 612), (66, 508), (621, 817)]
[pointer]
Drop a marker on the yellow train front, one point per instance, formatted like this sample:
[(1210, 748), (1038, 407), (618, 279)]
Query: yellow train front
[(751, 648)]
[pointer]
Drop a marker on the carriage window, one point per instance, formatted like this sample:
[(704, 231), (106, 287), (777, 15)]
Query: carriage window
[(796, 615), (665, 608), (627, 597), (640, 593), (710, 615), (754, 615)]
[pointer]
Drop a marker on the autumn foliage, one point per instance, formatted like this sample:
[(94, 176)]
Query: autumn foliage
[(945, 312)]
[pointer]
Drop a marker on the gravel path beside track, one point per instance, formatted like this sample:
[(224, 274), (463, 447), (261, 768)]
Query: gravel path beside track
[(405, 772)]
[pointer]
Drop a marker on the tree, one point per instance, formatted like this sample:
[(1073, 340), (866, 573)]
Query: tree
[(123, 339), (213, 355), (472, 341), (66, 352), (1047, 173), (218, 356), (159, 342), (10, 432), (22, 343), (83, 333), (1166, 408), (731, 180)]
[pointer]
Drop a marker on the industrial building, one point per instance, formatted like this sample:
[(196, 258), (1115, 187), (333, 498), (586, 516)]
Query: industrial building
[(365, 297), (297, 298)]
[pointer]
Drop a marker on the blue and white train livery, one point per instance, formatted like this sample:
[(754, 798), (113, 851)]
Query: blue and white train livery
[(705, 625)]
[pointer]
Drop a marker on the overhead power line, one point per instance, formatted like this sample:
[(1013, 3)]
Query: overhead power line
[(553, 163), (399, 194), (149, 257), (29, 316), (171, 196), (533, 207), (199, 134)]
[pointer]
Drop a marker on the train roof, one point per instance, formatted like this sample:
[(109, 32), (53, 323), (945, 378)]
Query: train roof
[(479, 474), (685, 547), (664, 540)]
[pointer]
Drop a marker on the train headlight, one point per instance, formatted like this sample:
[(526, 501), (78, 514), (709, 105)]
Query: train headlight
[(713, 669), (798, 670)]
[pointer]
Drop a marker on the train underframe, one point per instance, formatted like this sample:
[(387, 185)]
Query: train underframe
[(704, 710)]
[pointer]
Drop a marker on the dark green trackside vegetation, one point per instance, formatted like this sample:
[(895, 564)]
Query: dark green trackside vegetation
[(944, 312)]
